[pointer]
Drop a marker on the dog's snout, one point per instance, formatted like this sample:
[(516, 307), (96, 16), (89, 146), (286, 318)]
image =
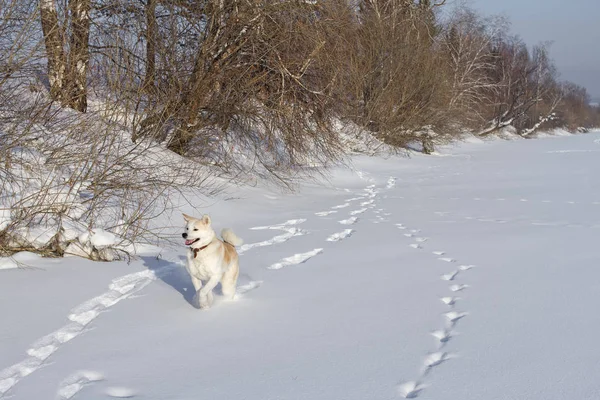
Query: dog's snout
[(184, 235)]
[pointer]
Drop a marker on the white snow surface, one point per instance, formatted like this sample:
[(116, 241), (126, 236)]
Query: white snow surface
[(470, 276)]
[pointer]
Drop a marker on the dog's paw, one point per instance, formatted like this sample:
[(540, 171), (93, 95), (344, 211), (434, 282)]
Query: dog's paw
[(205, 302)]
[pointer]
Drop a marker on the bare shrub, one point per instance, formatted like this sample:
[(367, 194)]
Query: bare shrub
[(396, 79)]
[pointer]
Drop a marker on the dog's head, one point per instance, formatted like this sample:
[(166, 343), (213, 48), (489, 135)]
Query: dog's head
[(198, 232)]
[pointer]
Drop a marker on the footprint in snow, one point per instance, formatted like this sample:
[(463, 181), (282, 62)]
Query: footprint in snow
[(439, 253), (454, 316), (243, 289), (409, 235), (280, 226), (447, 259), (421, 240), (391, 182), (290, 232), (324, 213), (340, 206), (416, 246), (120, 392), (360, 211), (349, 221), (340, 235), (450, 276), (411, 390), (465, 267), (295, 259), (435, 359), (442, 335), (355, 198), (458, 288), (76, 382), (449, 301)]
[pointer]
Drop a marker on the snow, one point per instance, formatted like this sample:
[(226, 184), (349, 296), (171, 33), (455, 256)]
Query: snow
[(17, 260), (470, 276)]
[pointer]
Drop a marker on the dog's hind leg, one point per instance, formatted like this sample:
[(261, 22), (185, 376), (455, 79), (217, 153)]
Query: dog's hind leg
[(229, 281)]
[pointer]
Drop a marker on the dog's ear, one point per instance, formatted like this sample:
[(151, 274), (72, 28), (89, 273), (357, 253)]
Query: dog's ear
[(187, 218), (206, 220)]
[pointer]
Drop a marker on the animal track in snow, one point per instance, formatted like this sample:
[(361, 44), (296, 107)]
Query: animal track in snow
[(355, 198), (442, 335), (120, 392), (295, 259), (76, 382), (391, 182), (435, 359), (340, 235), (450, 276), (449, 301), (458, 288), (325, 213), (119, 289), (340, 206), (455, 316), (349, 221), (410, 390), (290, 232), (280, 226), (359, 211), (242, 289), (368, 202)]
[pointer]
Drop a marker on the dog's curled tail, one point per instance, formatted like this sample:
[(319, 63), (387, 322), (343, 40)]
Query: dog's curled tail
[(231, 238)]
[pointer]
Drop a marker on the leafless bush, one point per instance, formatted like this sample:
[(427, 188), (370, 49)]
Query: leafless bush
[(258, 77), (396, 80), (73, 182), (70, 174)]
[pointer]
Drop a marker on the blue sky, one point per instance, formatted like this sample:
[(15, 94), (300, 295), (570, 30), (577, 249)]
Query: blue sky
[(572, 25)]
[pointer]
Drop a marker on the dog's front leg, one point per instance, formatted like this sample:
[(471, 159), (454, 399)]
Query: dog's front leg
[(197, 286), (205, 293)]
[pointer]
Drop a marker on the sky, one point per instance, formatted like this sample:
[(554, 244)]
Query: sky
[(572, 25)]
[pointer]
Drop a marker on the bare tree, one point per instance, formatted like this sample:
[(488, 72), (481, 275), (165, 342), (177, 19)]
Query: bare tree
[(67, 50), (466, 40)]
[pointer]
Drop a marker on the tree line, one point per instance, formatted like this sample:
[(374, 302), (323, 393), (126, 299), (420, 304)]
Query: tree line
[(276, 75), (92, 92)]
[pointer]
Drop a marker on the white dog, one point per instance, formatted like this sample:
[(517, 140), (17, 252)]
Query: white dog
[(210, 260)]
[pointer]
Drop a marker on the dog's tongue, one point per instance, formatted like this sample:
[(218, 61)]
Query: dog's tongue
[(189, 241)]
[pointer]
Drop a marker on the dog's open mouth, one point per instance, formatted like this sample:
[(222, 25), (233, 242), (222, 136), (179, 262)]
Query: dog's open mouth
[(190, 242)]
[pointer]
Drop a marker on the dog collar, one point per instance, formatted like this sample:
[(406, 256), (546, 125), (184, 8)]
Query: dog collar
[(199, 249)]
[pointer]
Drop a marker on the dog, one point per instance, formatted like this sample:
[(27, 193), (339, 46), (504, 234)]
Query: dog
[(210, 260)]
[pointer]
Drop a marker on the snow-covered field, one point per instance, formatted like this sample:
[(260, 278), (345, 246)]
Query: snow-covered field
[(472, 275)]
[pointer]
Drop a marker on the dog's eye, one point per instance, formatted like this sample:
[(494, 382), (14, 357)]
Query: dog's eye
[(195, 229)]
